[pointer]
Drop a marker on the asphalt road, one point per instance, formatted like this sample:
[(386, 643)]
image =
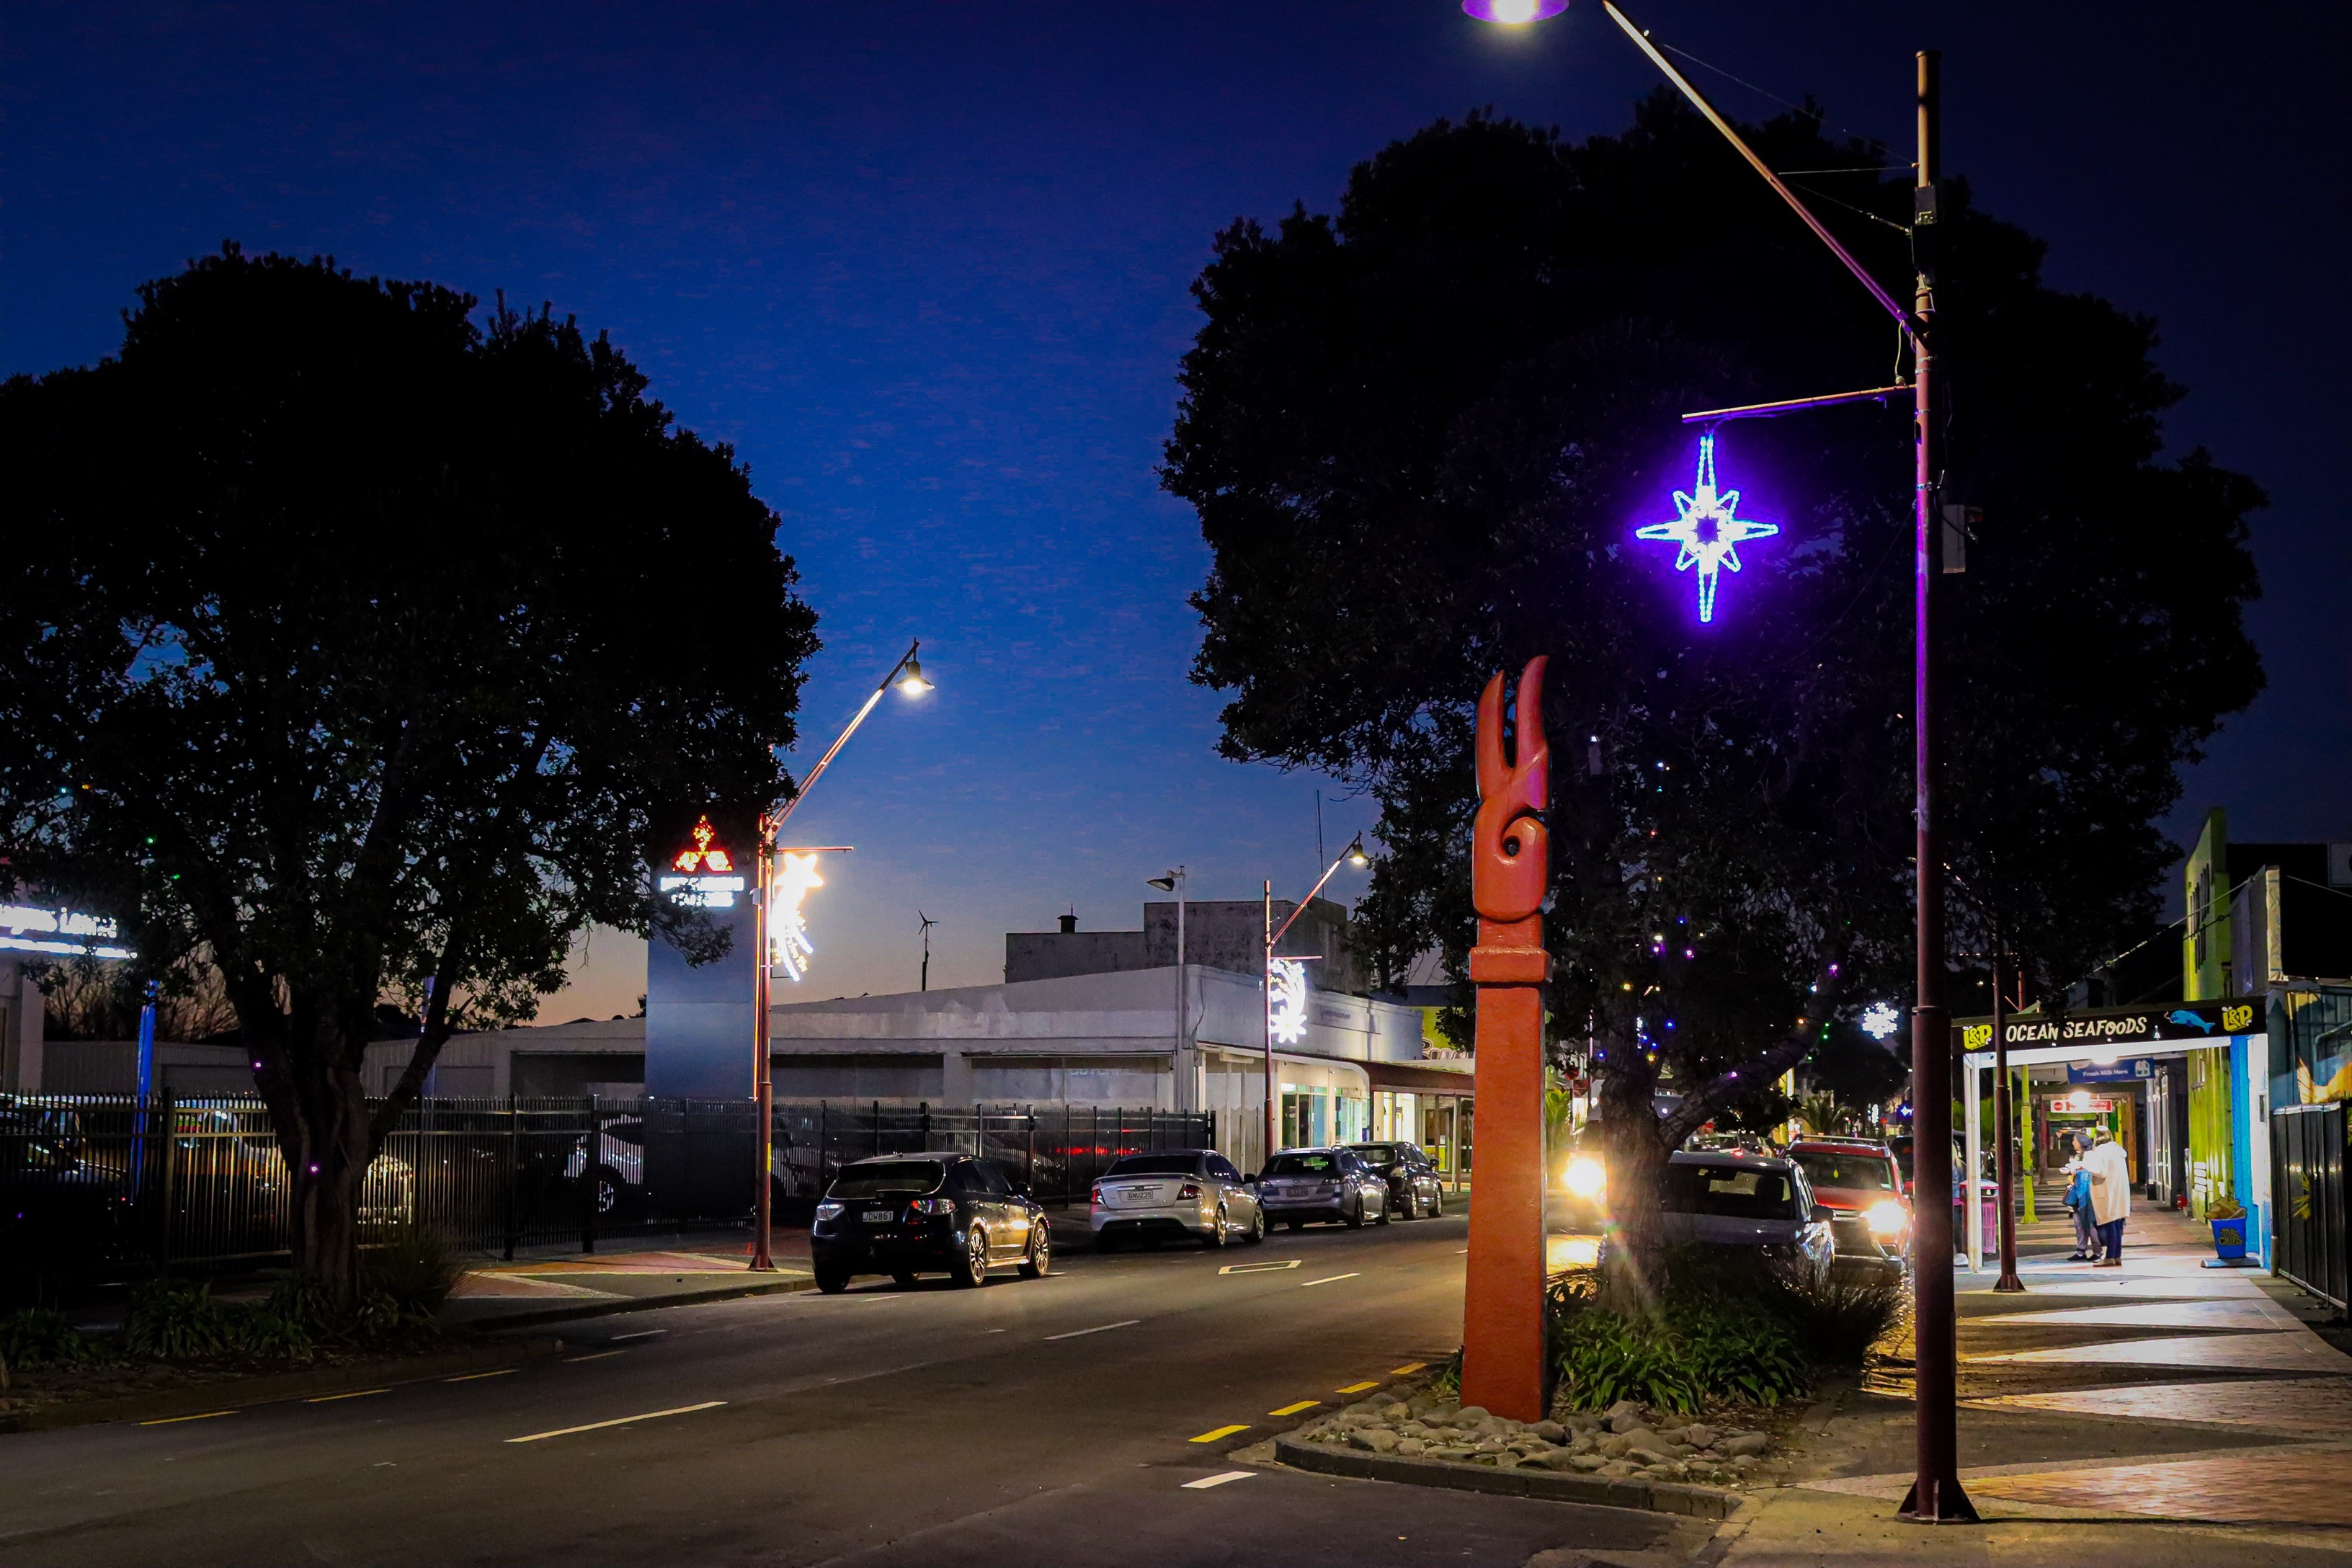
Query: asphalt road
[(1034, 1423)]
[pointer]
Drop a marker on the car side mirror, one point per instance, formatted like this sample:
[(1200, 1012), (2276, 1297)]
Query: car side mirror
[(1250, 1180), (1823, 1213)]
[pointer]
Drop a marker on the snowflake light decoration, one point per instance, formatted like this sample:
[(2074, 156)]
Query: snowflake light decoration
[(1880, 1020), (1709, 529), (1286, 979), (789, 946)]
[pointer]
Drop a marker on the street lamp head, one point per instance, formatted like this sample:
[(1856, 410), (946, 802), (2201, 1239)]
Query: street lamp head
[(1356, 856), (1513, 13), (912, 682), (1165, 884)]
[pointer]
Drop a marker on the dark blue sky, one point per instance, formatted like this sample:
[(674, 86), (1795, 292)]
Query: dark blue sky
[(925, 264)]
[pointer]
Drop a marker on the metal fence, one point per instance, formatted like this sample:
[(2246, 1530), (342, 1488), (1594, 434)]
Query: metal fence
[(2309, 1244), (98, 1187)]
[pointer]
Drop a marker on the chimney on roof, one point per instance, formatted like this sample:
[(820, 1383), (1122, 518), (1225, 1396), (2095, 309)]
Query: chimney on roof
[(1070, 922)]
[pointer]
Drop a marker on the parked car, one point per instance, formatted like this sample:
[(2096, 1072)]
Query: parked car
[(1751, 1202), (620, 1165), (1415, 1186), (1857, 1180), (1302, 1185), (1193, 1192), (904, 1214), (59, 1206)]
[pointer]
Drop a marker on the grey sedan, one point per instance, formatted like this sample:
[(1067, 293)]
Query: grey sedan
[(1335, 1184)]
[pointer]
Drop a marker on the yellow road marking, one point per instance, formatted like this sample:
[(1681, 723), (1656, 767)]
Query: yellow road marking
[(168, 1420), (620, 1421), (599, 1355), (355, 1394), (1409, 1366), (1219, 1432), (470, 1377), (1295, 1409), (1357, 1387)]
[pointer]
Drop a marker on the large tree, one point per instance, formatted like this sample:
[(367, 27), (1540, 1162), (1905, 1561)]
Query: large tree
[(361, 650), (1418, 435)]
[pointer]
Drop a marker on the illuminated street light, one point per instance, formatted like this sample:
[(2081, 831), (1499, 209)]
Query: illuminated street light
[(1292, 979), (1513, 13)]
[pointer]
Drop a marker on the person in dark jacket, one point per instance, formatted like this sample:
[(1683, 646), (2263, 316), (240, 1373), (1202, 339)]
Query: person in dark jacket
[(2078, 1199)]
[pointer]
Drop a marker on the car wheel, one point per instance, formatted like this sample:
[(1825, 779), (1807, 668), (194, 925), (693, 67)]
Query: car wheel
[(831, 1280), (1041, 1252), (903, 1278), (1437, 1203), (1353, 1218), (609, 1189), (1216, 1236), (971, 1265), (1411, 1204), (1257, 1228), (1384, 1209)]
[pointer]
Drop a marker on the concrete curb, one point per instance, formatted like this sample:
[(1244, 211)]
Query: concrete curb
[(237, 1393), (1550, 1486), (564, 1314)]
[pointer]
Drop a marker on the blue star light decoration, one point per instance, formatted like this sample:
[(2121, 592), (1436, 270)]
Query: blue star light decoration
[(1709, 529)]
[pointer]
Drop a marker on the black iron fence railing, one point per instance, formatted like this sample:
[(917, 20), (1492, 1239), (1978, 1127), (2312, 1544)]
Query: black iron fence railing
[(2309, 1242), (113, 1186)]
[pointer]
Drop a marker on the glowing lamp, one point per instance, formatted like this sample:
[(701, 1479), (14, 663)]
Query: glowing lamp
[(788, 939), (1709, 529), (1588, 1178), (2080, 1100), (1888, 1219), (912, 683), (1513, 13)]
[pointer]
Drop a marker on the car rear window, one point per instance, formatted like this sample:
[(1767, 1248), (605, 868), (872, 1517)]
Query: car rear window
[(1303, 1165), (1727, 1192), (1154, 1165), (873, 1180), (1863, 1173), (1380, 1155)]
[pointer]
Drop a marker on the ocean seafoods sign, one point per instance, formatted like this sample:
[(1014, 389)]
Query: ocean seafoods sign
[(2108, 1028)]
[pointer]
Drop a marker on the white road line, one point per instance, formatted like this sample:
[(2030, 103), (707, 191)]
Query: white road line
[(640, 1334), (620, 1421), (1332, 1279), (1099, 1329), (599, 1355), (1261, 1268), (1205, 1482)]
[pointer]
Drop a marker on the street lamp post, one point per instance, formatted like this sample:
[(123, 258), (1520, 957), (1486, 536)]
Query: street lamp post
[(907, 676), (1353, 855), (1174, 883), (1936, 1495)]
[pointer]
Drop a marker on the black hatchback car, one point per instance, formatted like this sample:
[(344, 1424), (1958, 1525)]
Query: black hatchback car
[(1415, 1186), (904, 1214)]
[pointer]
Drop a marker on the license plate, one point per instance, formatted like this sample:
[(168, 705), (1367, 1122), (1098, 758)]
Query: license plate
[(879, 1217)]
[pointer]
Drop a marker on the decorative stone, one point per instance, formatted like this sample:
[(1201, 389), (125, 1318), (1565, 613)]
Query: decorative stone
[(1409, 1446), (1586, 1462), (1746, 1444), (1550, 1431), (1625, 1410), (1470, 1416), (1378, 1439), (1617, 1469), (1699, 1436)]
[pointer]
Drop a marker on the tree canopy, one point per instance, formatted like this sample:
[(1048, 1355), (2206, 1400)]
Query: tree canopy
[(363, 650), (1419, 434)]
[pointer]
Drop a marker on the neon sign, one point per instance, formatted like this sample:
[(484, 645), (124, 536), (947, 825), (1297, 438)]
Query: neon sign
[(1709, 529), (24, 929), (789, 948), (1285, 1016), (705, 864)]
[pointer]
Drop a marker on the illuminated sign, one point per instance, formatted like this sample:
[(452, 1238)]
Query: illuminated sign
[(1286, 1013), (24, 929), (1709, 530), (707, 879), (2102, 1035), (1880, 1021), (789, 948)]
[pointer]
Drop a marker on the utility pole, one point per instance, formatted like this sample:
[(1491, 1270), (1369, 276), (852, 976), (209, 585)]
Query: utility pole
[(2004, 1130), (925, 983), (1935, 1496), (1265, 1020)]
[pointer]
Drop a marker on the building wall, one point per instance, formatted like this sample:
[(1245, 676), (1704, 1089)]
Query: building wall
[(1225, 934)]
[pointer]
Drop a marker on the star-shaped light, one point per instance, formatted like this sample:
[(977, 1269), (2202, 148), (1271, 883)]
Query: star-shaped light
[(1710, 531)]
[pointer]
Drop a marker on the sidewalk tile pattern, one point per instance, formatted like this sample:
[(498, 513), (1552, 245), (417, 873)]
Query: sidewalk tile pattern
[(2295, 1350), (2299, 1407), (2215, 1314), (2274, 1488)]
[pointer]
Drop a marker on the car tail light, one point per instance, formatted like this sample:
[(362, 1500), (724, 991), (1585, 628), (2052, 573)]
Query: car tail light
[(1096, 1194), (1188, 1189), (931, 1206)]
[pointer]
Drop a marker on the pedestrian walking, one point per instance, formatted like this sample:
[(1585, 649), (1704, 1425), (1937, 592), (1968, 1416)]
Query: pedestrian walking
[(2078, 1200), (2110, 1176)]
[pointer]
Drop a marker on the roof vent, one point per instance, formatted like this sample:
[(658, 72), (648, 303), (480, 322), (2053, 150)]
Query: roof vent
[(1070, 923)]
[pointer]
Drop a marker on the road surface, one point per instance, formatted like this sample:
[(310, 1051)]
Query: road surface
[(1064, 1421)]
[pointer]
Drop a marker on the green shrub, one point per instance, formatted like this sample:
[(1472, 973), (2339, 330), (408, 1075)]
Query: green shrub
[(414, 1268), (1604, 1358), (301, 1299), (257, 1330), (1837, 1319), (37, 1334), (173, 1320)]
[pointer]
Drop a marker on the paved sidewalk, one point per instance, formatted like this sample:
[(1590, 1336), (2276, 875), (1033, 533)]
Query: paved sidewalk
[(2162, 1413), (664, 1271)]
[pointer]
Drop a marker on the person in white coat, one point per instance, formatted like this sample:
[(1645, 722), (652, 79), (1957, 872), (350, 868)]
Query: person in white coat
[(2110, 1176)]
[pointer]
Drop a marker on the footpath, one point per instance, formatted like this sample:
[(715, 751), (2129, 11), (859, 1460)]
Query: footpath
[(2154, 1415)]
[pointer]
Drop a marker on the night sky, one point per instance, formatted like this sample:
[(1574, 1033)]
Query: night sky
[(925, 265)]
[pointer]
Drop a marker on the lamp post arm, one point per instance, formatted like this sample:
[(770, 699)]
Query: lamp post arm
[(840, 741), (1300, 907), (1683, 84)]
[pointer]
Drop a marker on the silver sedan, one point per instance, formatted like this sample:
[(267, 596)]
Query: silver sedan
[(1179, 1193), (1302, 1185)]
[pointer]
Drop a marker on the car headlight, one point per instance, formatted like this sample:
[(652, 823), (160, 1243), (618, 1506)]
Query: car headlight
[(828, 1210), (1587, 1177), (1888, 1219)]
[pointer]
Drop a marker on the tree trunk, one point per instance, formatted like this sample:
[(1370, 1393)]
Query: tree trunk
[(323, 1129), (1636, 1159)]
